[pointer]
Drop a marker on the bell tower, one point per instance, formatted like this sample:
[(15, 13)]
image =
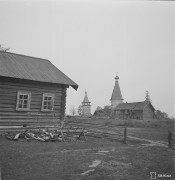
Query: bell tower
[(86, 107), (116, 97)]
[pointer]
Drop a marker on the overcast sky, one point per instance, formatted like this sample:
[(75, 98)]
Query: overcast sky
[(90, 41)]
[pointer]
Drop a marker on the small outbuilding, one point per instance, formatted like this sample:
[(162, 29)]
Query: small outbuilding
[(32, 90), (136, 110)]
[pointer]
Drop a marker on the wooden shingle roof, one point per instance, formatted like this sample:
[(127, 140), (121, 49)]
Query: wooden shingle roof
[(32, 68), (86, 99), (116, 94), (133, 106)]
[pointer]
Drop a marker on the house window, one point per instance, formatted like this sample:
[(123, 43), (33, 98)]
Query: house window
[(47, 102), (23, 101)]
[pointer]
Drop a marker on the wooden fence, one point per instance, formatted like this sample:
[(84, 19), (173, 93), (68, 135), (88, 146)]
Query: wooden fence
[(96, 130), (101, 130)]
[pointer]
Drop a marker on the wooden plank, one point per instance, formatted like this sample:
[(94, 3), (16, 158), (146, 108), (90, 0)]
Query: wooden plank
[(10, 103), (38, 85), (26, 113), (35, 92), (7, 106), (23, 88), (17, 123), (13, 97), (33, 105), (30, 124), (23, 81), (34, 97), (28, 116), (14, 87), (31, 110), (29, 113), (31, 120), (25, 117)]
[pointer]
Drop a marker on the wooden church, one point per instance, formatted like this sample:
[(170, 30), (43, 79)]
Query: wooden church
[(135, 110), (86, 106)]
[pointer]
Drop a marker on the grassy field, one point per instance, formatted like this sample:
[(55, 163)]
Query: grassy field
[(35, 160)]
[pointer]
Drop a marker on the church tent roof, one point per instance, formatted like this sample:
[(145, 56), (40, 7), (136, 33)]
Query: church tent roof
[(116, 94), (86, 100)]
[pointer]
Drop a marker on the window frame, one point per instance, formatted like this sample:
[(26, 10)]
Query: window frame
[(28, 100), (52, 102)]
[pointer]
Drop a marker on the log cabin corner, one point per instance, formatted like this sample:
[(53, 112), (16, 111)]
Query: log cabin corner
[(32, 91)]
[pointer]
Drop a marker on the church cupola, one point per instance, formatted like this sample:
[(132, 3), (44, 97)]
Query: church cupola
[(116, 97), (86, 107)]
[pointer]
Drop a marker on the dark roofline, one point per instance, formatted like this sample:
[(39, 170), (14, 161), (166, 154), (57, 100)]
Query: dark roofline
[(135, 104), (35, 82), (132, 102), (151, 105), (24, 55), (40, 60)]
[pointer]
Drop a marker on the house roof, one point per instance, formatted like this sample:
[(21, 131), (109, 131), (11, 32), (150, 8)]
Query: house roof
[(32, 68), (116, 94), (86, 100), (134, 106)]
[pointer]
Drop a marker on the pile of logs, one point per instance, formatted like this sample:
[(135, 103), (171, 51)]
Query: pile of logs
[(46, 135)]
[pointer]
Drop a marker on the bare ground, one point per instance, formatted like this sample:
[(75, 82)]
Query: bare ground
[(69, 160), (96, 159)]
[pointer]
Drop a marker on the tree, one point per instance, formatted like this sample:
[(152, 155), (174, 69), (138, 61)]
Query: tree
[(3, 49), (158, 114), (165, 115), (161, 115), (107, 110), (98, 108), (99, 111), (172, 117), (147, 97), (79, 110), (72, 110)]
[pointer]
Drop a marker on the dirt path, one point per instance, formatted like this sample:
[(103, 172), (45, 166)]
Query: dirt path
[(151, 142)]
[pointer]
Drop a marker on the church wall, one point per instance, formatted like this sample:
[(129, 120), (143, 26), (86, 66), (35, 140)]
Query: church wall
[(122, 114), (138, 114), (86, 110), (148, 113), (115, 103)]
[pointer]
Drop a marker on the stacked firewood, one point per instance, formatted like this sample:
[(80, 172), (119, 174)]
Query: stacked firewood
[(46, 135)]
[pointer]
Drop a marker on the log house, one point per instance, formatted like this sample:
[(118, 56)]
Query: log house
[(32, 91)]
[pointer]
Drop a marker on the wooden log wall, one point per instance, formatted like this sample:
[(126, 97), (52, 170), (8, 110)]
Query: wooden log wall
[(63, 101), (8, 99), (148, 112)]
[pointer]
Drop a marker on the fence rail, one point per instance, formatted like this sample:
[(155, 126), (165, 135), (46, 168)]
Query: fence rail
[(100, 130), (92, 129)]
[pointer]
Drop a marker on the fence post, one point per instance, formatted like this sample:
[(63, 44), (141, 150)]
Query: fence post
[(169, 139), (125, 135)]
